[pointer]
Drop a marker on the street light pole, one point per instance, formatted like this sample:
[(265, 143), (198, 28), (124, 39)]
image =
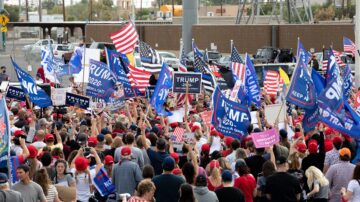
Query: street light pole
[(64, 12)]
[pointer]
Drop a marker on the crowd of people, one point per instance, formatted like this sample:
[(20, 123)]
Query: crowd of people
[(60, 151)]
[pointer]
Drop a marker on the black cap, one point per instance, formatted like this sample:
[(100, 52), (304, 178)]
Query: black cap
[(281, 160), (82, 138), (201, 181), (240, 163), (3, 178)]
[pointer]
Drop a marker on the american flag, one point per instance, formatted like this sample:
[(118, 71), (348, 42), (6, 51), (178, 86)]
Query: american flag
[(273, 83), (337, 55), (349, 46), (137, 77), (151, 61), (208, 80), (178, 133), (180, 97), (237, 65), (125, 39)]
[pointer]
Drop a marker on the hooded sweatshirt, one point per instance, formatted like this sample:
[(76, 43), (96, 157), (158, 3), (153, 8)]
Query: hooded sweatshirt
[(202, 194)]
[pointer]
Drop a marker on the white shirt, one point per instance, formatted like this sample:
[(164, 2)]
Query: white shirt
[(354, 187), (82, 185)]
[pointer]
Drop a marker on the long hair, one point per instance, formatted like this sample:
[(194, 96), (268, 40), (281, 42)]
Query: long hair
[(312, 174), (294, 161), (356, 175), (33, 165), (186, 193), (189, 172), (215, 176), (42, 178), (268, 168), (65, 169)]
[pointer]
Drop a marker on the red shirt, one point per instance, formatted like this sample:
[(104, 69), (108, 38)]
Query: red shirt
[(224, 153), (211, 186), (247, 184)]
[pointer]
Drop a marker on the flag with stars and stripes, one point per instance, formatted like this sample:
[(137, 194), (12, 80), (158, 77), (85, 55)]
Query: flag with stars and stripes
[(151, 60), (337, 55), (180, 98), (349, 46), (237, 65), (178, 134), (208, 80)]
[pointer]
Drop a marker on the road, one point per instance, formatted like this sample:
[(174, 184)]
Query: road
[(14, 49)]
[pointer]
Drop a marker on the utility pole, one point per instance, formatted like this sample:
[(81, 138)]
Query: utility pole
[(357, 42), (221, 4), (289, 11), (27, 10), (90, 11), (40, 11), (64, 12)]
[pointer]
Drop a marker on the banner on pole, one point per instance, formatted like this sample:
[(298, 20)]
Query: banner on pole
[(193, 80)]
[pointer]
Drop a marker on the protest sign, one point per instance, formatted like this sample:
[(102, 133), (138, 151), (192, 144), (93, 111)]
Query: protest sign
[(229, 118), (193, 80), (15, 93), (58, 96), (177, 116), (77, 100), (103, 183), (206, 118), (271, 112), (265, 139), (83, 75)]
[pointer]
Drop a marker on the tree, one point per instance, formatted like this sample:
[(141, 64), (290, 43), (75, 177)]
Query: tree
[(13, 11), (48, 5)]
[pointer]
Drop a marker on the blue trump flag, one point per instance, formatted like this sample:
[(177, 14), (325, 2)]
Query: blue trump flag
[(103, 183), (76, 60), (302, 54), (311, 118), (37, 95), (116, 63), (4, 134), (251, 83), (348, 81), (332, 95), (101, 81), (301, 91), (229, 118), (318, 81), (163, 85)]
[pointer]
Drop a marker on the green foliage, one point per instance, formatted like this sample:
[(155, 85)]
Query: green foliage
[(145, 14), (48, 5), (13, 11)]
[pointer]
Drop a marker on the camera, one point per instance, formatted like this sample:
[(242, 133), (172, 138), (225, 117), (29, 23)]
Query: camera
[(86, 151)]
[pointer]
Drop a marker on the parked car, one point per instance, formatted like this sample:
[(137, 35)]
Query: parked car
[(60, 49), (214, 57), (101, 46), (169, 58), (225, 60), (345, 57), (67, 55), (37, 45), (270, 55)]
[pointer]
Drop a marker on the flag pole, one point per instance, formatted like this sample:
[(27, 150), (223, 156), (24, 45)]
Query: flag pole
[(231, 44), (83, 80), (277, 117)]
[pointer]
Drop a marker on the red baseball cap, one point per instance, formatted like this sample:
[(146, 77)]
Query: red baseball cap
[(228, 141), (214, 164), (175, 156), (337, 140), (92, 141), (49, 137), (177, 171), (214, 133), (18, 133), (33, 152), (126, 151), (81, 163), (313, 147), (301, 147), (205, 147), (328, 145), (194, 128), (108, 160), (297, 135)]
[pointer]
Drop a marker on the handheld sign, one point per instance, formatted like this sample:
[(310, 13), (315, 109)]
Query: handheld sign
[(265, 139), (81, 101), (193, 79), (16, 93)]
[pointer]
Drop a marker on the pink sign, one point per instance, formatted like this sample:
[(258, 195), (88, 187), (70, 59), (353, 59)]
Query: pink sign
[(266, 138), (206, 117)]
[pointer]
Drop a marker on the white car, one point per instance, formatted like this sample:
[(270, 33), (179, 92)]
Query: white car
[(60, 49), (169, 58), (36, 47)]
